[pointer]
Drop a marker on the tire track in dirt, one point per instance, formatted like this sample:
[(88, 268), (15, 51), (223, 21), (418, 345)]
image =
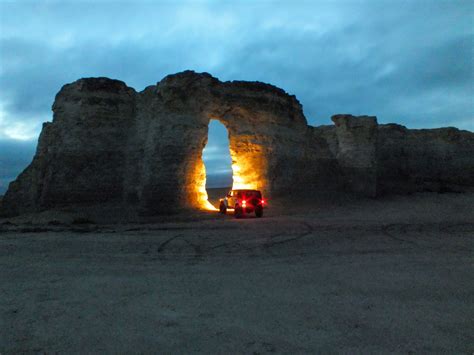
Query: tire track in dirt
[(421, 235), (309, 230), (233, 247), (166, 242)]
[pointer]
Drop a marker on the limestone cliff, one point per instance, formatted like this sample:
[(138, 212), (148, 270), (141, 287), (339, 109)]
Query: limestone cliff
[(411, 160), (79, 158), (357, 138), (108, 144)]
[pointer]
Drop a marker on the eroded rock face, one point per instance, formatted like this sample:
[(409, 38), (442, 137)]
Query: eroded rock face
[(165, 170), (357, 141), (411, 160), (80, 154), (110, 145)]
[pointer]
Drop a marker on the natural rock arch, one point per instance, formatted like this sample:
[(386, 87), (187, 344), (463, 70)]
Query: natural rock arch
[(110, 145), (266, 128)]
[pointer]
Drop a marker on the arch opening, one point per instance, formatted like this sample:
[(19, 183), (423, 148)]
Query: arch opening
[(229, 159), (217, 164)]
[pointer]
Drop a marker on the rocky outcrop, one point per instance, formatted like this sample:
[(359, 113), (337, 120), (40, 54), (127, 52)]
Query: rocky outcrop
[(110, 145), (79, 158), (357, 141), (165, 170), (411, 160)]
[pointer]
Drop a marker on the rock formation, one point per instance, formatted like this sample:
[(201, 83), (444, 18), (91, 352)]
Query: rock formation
[(411, 160), (357, 140), (108, 144)]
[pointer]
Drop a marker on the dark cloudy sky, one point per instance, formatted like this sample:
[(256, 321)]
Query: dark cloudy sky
[(409, 62)]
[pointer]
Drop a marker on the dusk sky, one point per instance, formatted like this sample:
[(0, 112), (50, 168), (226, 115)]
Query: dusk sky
[(409, 62)]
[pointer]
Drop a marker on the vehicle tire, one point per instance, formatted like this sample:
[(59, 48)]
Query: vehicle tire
[(238, 212), (259, 212), (222, 208)]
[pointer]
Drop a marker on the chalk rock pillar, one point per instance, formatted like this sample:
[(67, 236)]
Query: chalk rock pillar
[(357, 141)]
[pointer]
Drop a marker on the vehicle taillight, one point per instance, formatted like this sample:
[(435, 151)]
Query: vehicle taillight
[(262, 201), (244, 203)]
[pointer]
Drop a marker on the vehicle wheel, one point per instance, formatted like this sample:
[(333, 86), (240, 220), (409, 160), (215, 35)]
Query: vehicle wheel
[(259, 212), (222, 208), (238, 212)]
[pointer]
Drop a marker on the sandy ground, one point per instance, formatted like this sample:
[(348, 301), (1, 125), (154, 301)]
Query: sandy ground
[(374, 276)]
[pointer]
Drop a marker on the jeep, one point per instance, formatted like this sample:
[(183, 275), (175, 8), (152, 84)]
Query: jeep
[(242, 201)]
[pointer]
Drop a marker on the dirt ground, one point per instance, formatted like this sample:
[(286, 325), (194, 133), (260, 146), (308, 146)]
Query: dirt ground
[(373, 276)]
